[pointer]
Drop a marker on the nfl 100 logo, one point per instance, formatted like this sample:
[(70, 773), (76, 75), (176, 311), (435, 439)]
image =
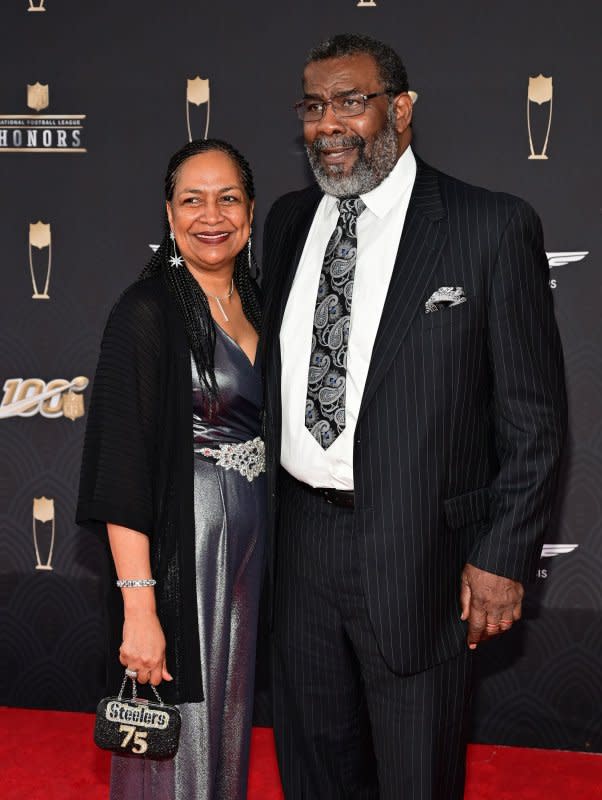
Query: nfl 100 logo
[(52, 399)]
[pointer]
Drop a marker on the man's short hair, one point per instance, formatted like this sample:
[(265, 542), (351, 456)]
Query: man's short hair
[(390, 66)]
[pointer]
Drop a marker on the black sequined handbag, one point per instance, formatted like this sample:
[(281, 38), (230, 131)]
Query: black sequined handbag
[(137, 726)]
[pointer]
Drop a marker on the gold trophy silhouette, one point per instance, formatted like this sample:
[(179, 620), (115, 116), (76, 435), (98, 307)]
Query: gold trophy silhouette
[(540, 91), (43, 511), (197, 94), (40, 237)]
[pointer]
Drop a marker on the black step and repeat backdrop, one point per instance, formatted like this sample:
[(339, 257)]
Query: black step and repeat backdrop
[(94, 97)]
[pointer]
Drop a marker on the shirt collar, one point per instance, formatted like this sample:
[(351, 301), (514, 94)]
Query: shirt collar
[(391, 191)]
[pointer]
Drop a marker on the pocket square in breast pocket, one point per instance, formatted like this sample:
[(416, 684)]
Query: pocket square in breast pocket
[(444, 297)]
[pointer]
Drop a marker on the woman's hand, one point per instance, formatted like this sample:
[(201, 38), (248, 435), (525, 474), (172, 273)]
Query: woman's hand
[(143, 646)]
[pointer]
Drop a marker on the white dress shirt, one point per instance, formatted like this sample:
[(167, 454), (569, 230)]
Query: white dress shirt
[(379, 229)]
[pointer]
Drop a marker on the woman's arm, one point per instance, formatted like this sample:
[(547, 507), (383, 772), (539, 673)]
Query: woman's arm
[(143, 646)]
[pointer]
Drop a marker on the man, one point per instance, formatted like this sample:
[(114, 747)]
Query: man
[(415, 414)]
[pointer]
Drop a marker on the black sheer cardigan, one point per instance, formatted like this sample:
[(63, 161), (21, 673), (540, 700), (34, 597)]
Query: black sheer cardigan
[(137, 469)]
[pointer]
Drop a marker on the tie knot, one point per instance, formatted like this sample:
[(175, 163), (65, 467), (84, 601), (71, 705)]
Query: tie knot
[(351, 205)]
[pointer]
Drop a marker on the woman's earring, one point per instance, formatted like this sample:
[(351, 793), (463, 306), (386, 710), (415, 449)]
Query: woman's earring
[(249, 257), (176, 260)]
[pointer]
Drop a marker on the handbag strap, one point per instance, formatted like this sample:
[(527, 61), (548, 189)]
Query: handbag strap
[(135, 690)]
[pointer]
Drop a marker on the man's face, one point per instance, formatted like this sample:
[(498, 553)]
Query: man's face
[(352, 155)]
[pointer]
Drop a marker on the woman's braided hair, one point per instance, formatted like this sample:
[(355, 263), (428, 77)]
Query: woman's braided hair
[(191, 299)]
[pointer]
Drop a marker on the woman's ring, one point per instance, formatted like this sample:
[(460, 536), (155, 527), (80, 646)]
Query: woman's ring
[(131, 673)]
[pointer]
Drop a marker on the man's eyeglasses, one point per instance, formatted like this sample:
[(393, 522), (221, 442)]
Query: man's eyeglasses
[(343, 105)]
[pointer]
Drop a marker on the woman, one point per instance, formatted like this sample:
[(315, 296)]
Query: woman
[(173, 467)]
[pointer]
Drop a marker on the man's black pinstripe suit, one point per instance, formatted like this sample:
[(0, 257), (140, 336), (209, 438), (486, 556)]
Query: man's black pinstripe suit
[(455, 460)]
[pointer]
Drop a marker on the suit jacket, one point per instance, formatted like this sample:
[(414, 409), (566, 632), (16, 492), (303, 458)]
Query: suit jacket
[(463, 415)]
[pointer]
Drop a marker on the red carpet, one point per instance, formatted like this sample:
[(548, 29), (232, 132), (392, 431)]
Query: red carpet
[(49, 755)]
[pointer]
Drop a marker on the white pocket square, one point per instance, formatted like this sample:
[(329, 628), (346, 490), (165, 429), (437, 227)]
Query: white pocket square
[(445, 297)]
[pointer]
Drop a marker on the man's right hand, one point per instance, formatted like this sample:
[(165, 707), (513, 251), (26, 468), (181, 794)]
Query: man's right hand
[(143, 646), (490, 603)]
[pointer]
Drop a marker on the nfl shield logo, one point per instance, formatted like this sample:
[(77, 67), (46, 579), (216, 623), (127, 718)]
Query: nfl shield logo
[(43, 509), (73, 405), (197, 90), (540, 89), (37, 96), (39, 234)]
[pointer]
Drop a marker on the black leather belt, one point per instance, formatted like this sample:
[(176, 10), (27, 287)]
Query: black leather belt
[(337, 497)]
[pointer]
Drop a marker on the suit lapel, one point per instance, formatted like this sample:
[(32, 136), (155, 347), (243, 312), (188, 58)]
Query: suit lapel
[(289, 261), (287, 242), (424, 233), (294, 255)]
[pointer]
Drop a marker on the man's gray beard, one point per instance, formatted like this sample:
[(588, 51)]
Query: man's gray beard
[(367, 172)]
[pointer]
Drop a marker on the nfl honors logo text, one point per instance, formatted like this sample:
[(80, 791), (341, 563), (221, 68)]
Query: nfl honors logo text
[(41, 133)]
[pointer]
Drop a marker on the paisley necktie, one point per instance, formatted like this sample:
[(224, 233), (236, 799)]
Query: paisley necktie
[(326, 384)]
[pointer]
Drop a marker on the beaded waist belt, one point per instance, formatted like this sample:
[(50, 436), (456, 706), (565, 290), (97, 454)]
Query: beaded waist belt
[(248, 458)]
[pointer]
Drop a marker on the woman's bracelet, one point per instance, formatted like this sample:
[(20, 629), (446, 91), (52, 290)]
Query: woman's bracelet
[(138, 583)]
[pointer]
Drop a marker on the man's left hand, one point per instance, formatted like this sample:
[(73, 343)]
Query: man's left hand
[(490, 603)]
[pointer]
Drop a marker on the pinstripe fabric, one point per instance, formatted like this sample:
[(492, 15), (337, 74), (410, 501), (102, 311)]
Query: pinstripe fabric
[(463, 415), (346, 725)]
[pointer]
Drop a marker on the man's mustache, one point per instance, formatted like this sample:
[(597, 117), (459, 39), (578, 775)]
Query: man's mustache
[(336, 143)]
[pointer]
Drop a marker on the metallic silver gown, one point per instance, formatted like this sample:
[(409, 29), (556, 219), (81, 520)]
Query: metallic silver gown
[(213, 757)]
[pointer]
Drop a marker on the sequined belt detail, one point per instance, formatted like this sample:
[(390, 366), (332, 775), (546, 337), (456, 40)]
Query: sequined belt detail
[(248, 458)]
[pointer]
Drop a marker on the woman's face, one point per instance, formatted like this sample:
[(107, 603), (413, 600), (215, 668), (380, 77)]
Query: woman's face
[(210, 213)]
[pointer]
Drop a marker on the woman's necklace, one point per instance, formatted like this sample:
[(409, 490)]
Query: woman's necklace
[(218, 300)]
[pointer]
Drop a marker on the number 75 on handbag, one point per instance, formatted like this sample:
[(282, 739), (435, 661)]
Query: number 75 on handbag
[(137, 727)]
